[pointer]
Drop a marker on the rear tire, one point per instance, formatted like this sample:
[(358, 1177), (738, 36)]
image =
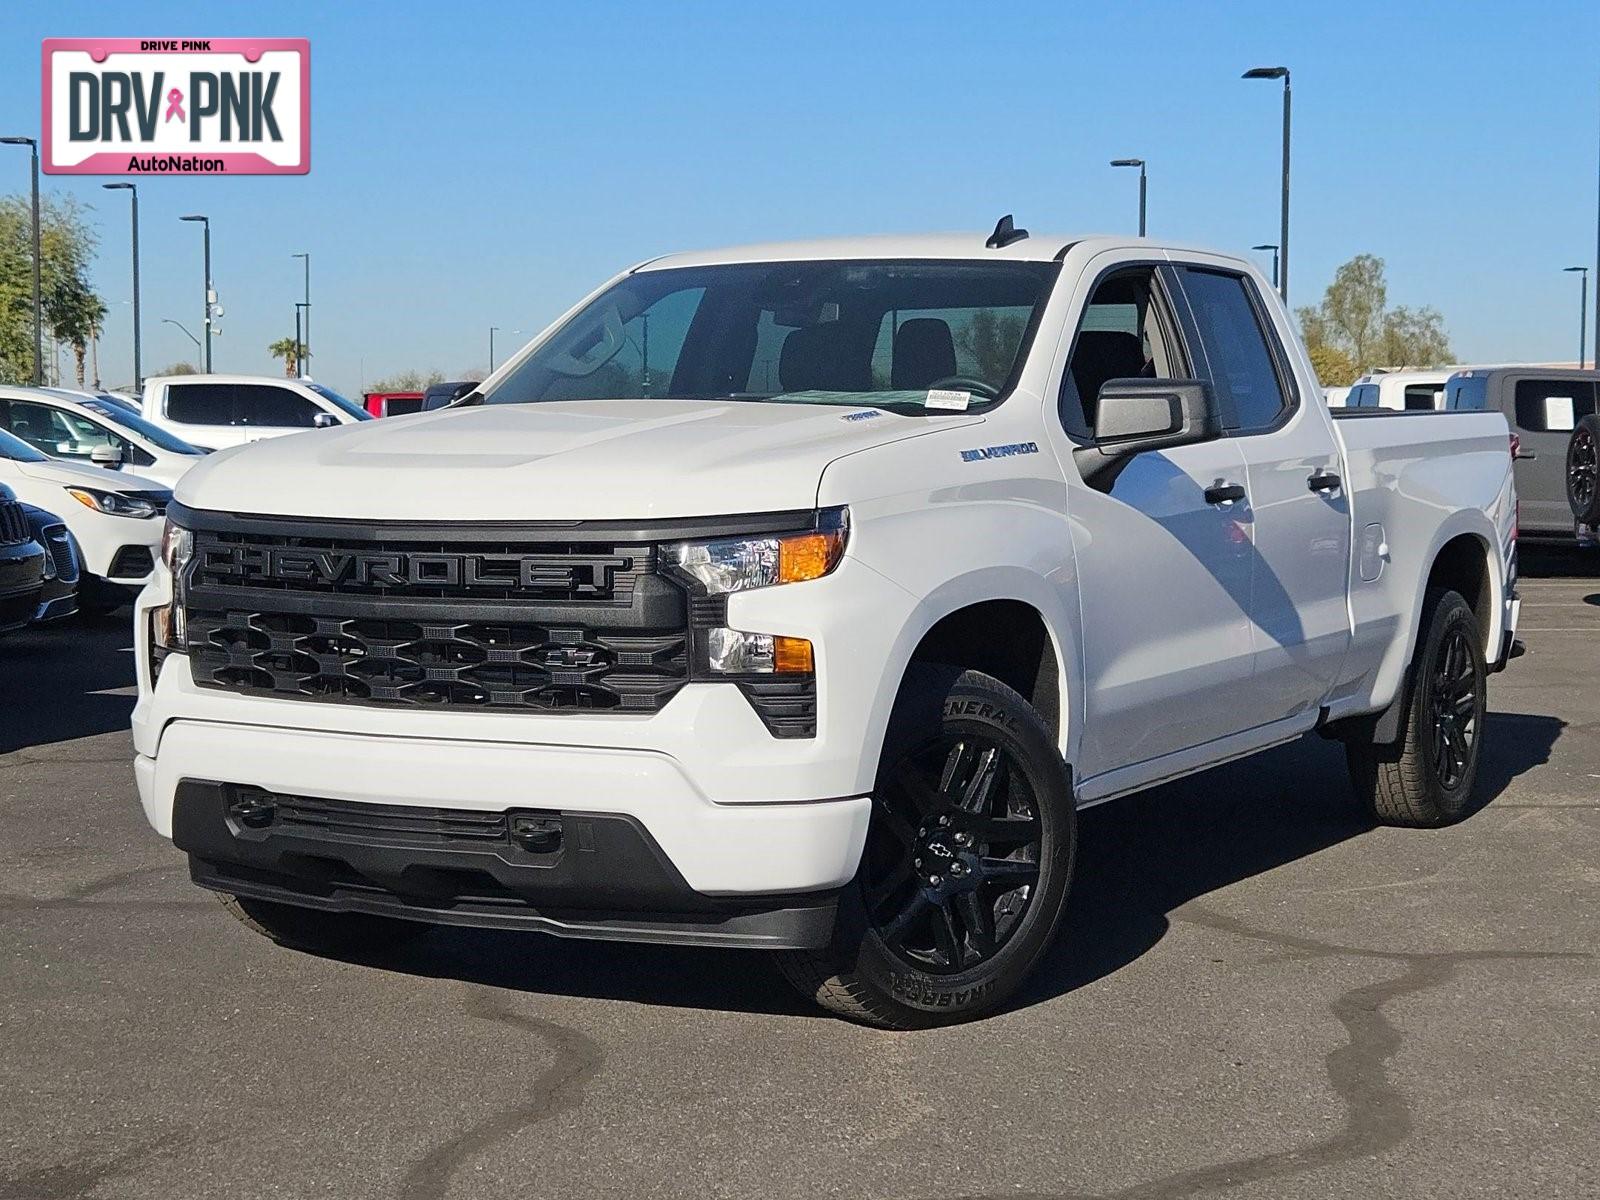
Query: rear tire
[(321, 932), (968, 861), (1583, 471), (1426, 778)]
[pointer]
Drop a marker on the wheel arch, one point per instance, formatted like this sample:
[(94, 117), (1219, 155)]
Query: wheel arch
[(1008, 623), (1462, 558)]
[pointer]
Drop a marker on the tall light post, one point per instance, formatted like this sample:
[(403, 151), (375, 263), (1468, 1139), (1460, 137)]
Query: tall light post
[(1135, 162), (300, 350), (38, 301), (306, 254), (1583, 311), (1283, 232), (1274, 249), (206, 224), (493, 329), (133, 192)]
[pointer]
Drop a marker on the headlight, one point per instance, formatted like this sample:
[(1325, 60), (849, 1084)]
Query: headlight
[(177, 547), (112, 503), (741, 563)]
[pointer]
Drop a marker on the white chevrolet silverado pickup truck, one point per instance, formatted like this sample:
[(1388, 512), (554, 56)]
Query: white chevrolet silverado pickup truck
[(795, 597)]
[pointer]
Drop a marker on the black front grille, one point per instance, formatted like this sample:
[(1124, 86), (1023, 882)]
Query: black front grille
[(547, 623), (58, 542), (13, 524), (434, 662), (575, 618)]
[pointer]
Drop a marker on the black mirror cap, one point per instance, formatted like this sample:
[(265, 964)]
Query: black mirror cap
[(1135, 415)]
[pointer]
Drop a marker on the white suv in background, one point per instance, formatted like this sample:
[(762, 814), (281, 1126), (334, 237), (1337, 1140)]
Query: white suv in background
[(216, 411), (113, 516), (88, 427)]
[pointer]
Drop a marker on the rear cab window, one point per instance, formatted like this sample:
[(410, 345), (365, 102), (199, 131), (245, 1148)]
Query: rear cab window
[(1423, 397), (1552, 405), (256, 405), (1242, 358), (200, 403)]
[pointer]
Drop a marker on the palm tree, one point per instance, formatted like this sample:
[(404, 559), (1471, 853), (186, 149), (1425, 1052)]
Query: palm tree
[(291, 352)]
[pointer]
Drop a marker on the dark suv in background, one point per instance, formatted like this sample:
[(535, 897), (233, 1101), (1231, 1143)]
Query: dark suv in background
[(1543, 406), (22, 565)]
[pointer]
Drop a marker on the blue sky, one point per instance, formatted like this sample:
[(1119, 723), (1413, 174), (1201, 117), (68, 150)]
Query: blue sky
[(478, 164)]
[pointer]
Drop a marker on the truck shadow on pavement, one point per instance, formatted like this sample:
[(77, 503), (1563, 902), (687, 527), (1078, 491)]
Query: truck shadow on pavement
[(52, 691), (1139, 858)]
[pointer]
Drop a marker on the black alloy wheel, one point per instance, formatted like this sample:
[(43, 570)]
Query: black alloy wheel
[(952, 859), (1453, 708), (1583, 471), (967, 865)]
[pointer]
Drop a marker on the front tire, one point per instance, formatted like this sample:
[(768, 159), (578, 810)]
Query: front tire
[(1425, 779), (967, 865), (321, 932)]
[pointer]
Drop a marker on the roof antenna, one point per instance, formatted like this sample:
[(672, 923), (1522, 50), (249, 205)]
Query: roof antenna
[(1004, 234)]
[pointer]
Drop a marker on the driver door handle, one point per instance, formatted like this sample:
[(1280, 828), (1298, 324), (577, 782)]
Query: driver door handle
[(1324, 481), (1224, 493)]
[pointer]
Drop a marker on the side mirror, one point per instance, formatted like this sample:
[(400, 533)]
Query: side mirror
[(1135, 415), (109, 457), (324, 421)]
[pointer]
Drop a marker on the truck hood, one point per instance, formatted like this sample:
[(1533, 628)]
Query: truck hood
[(556, 461)]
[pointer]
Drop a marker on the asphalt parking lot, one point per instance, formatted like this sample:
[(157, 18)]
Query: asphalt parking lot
[(1258, 994)]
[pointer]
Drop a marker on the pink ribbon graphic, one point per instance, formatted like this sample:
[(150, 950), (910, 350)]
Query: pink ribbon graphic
[(174, 106)]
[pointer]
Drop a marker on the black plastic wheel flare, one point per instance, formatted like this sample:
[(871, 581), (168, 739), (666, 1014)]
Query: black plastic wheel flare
[(1582, 469), (953, 854), (1453, 704)]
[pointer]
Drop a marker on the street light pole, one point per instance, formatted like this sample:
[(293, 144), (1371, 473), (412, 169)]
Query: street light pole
[(306, 254), (38, 301), (133, 192), (299, 362), (1583, 311), (1135, 162), (1274, 249), (493, 329), (205, 223), (1283, 231)]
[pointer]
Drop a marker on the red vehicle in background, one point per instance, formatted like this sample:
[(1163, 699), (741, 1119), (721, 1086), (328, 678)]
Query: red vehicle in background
[(393, 404)]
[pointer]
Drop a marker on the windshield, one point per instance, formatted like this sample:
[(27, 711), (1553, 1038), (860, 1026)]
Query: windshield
[(851, 332), (18, 450), (333, 397), (155, 435)]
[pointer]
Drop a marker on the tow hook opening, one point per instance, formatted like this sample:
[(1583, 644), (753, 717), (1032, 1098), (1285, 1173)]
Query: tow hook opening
[(535, 833)]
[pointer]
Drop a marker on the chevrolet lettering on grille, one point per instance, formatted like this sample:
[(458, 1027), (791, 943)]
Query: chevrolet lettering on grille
[(534, 572)]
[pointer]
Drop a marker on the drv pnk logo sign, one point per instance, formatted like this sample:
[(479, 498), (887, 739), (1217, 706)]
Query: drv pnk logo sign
[(170, 106)]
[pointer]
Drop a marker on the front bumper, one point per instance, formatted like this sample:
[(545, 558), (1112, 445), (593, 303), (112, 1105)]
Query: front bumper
[(573, 874), (722, 874)]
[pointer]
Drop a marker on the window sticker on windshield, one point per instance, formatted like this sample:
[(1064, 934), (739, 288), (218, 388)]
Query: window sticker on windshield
[(950, 401)]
